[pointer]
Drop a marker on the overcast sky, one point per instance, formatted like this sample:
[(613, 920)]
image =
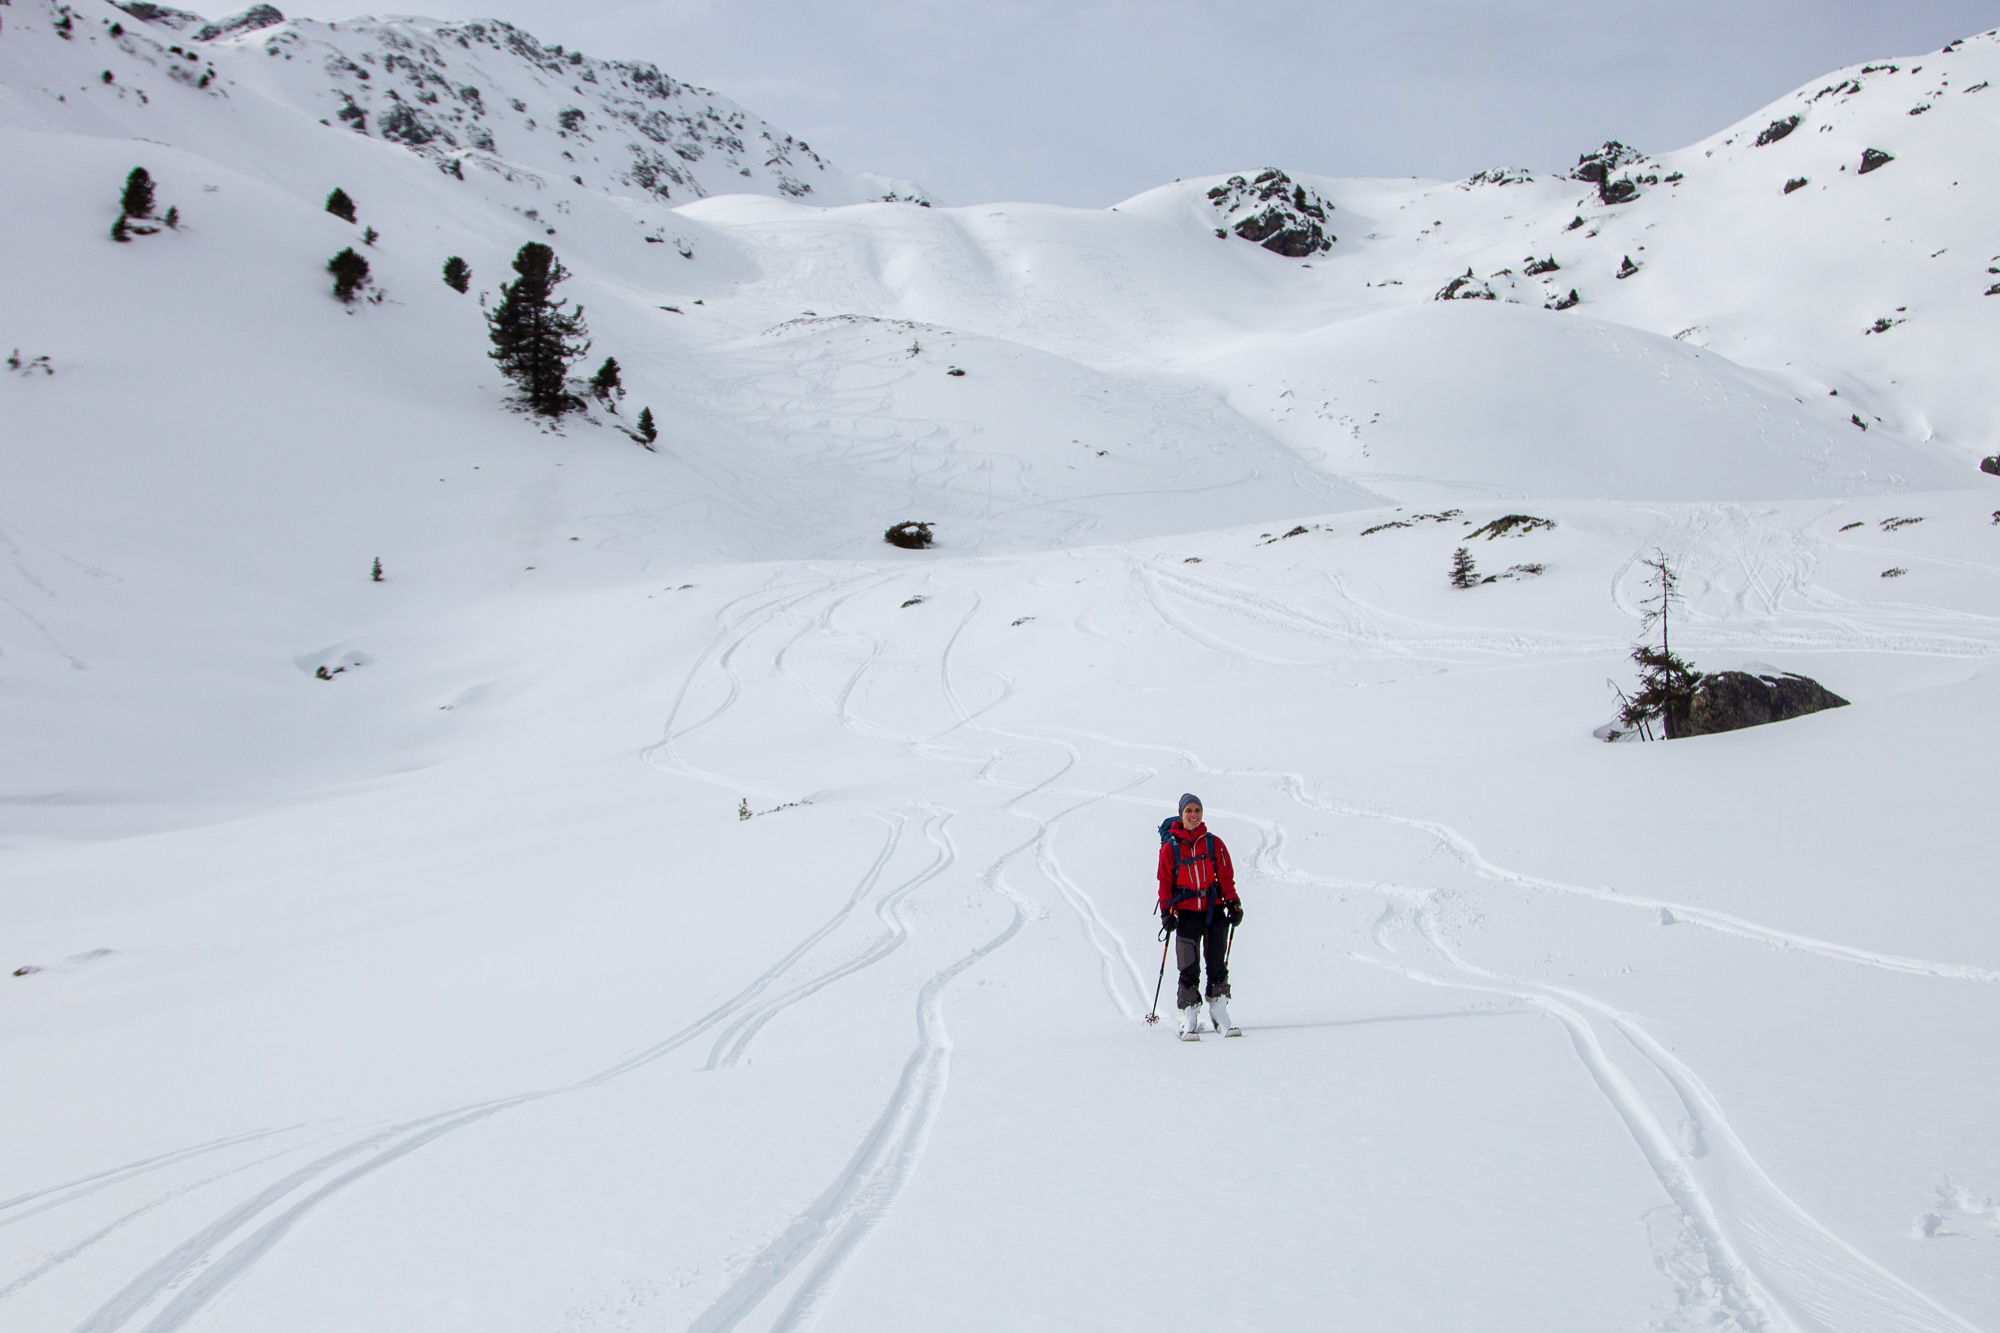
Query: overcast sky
[(1089, 101)]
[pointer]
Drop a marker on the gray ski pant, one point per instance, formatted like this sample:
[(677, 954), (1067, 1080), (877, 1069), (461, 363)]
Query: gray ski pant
[(1192, 939)]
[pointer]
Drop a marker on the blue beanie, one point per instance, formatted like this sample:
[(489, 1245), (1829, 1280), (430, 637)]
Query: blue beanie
[(1188, 798)]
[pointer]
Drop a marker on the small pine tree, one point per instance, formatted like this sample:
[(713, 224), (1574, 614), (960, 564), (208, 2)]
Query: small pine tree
[(349, 272), (138, 200), (173, 218), (340, 205), (457, 274), (1667, 681), (1462, 573), (376, 573), (534, 339), (118, 231), (370, 236), (647, 430), (605, 382)]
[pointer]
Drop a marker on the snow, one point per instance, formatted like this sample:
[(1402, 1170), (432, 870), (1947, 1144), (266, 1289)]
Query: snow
[(452, 992)]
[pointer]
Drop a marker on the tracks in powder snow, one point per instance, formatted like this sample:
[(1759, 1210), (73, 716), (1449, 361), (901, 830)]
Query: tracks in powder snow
[(203, 1264)]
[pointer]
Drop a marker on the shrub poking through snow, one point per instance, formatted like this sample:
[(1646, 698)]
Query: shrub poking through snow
[(605, 382), (457, 274), (370, 236), (910, 535), (375, 575), (350, 272), (534, 339), (137, 201), (647, 432), (120, 232), (1667, 681), (340, 205), (1463, 573), (172, 219)]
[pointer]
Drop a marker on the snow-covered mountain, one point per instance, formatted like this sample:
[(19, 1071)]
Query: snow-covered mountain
[(475, 874), (483, 95)]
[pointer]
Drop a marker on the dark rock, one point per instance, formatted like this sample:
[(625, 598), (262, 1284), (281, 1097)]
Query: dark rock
[(1796, 183), (1856, 419), (1567, 301), (1597, 165), (1276, 212), (1628, 268), (1732, 700), (1574, 223), (1872, 158), (1990, 465), (1776, 130), (1537, 267), (248, 20)]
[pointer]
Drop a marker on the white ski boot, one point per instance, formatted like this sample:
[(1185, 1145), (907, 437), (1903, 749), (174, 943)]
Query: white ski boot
[(1218, 1012), (1191, 1023)]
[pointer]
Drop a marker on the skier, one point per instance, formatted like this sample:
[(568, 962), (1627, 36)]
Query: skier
[(1198, 907)]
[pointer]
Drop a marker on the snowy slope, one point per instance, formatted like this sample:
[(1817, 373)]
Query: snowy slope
[(482, 95), (451, 990)]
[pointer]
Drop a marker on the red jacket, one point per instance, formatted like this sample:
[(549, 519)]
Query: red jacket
[(1195, 870)]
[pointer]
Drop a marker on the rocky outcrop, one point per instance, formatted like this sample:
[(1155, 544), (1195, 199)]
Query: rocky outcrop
[(1276, 212), (1990, 465), (1732, 700), (1872, 158), (1776, 130), (1601, 165), (248, 20), (176, 20)]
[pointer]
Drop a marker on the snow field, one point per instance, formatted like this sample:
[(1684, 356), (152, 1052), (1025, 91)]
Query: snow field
[(452, 990)]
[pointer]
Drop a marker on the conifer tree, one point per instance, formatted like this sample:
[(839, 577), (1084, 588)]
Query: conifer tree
[(349, 272), (457, 274), (172, 219), (340, 205), (138, 200), (648, 432), (370, 236), (1667, 681), (118, 231), (1462, 573), (605, 382), (534, 339)]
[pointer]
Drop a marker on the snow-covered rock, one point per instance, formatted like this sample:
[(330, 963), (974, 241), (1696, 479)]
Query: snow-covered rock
[(1274, 211)]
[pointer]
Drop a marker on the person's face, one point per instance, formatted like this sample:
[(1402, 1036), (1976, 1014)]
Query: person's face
[(1191, 816)]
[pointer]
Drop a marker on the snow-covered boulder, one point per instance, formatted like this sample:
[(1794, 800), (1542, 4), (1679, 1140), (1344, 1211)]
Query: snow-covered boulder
[(1732, 700)]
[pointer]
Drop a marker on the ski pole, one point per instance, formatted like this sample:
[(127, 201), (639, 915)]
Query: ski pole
[(1153, 1015)]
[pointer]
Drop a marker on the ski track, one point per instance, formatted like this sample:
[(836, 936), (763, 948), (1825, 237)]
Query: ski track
[(1770, 1263), (182, 1282)]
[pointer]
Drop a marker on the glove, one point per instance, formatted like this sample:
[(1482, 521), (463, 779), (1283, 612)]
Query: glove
[(1169, 920), (1232, 912)]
